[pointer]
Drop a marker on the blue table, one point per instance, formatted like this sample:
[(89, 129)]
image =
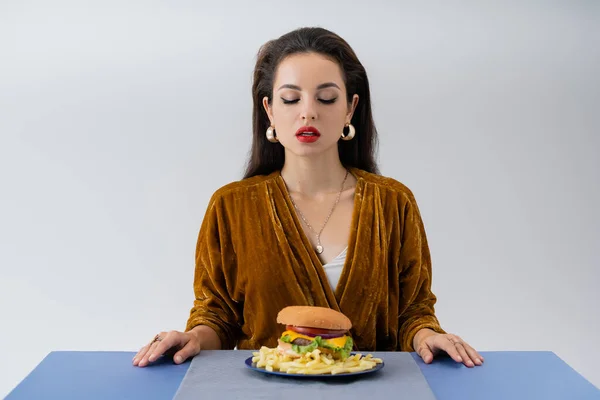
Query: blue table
[(110, 375)]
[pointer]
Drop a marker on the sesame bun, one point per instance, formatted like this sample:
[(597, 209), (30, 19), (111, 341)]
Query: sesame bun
[(314, 317)]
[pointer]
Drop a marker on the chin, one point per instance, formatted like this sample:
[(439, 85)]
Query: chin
[(310, 150)]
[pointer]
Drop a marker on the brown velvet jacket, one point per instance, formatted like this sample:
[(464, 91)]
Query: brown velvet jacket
[(253, 259)]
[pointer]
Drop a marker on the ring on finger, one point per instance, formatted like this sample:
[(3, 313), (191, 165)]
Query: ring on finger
[(157, 338)]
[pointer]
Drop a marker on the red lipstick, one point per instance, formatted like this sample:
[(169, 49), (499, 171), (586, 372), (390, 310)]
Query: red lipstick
[(308, 134)]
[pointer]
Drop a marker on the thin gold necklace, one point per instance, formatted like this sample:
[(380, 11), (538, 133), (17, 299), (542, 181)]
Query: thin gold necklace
[(318, 234)]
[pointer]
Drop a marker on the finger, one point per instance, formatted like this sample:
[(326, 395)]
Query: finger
[(450, 348), (140, 354), (191, 349), (463, 354), (475, 356), (150, 348), (460, 347), (170, 340), (145, 359), (426, 354)]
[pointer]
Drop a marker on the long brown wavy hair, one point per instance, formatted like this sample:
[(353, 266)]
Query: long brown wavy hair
[(266, 157)]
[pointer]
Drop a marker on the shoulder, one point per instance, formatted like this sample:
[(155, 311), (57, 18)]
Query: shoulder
[(246, 186), (389, 186)]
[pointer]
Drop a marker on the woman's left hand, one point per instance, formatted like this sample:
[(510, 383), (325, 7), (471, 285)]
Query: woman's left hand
[(459, 350)]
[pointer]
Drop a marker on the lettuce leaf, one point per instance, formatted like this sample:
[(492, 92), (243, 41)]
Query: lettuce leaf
[(320, 342), (286, 339), (308, 348), (345, 352)]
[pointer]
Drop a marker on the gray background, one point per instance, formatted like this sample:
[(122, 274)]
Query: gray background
[(119, 119)]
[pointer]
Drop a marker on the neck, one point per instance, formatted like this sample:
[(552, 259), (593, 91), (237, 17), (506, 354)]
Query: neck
[(313, 176)]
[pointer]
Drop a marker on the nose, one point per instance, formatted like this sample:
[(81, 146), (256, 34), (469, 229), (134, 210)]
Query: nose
[(309, 112)]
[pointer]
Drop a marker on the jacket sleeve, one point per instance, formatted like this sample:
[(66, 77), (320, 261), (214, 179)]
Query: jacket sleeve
[(215, 267), (416, 300)]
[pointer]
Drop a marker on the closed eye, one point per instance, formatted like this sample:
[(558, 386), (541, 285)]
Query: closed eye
[(328, 101), (331, 101)]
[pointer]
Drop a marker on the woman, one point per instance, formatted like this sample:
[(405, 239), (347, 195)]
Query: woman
[(312, 223)]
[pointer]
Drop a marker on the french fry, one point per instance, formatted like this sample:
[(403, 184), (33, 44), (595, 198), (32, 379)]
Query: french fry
[(327, 360), (313, 363)]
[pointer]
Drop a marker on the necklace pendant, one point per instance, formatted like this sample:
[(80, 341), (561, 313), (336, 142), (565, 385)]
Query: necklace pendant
[(319, 249)]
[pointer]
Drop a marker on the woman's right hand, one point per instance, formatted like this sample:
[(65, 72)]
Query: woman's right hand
[(181, 345)]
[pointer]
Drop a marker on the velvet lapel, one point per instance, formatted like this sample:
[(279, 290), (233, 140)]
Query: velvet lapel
[(365, 275), (308, 261)]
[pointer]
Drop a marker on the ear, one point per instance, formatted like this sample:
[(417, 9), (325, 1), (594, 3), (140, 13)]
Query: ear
[(352, 108), (268, 109)]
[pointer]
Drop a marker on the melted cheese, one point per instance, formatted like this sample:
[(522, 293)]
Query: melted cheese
[(338, 342), (295, 335)]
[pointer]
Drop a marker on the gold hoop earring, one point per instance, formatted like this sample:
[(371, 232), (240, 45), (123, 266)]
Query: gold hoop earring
[(351, 133), (271, 135)]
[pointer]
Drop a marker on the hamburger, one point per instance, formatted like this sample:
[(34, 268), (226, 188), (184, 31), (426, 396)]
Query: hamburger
[(309, 328)]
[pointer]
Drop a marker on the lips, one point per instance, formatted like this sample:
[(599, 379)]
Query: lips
[(308, 131), (308, 134)]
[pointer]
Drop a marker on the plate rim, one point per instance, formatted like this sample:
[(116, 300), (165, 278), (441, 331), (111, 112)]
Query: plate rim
[(249, 364)]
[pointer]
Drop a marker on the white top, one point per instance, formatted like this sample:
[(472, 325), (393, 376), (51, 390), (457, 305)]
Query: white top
[(333, 268)]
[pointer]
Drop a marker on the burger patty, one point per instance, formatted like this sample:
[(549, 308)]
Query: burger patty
[(302, 341)]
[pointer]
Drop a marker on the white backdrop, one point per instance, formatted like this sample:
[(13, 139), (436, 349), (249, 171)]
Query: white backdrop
[(119, 119)]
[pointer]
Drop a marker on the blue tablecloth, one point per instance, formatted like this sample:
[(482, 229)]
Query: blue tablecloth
[(110, 375)]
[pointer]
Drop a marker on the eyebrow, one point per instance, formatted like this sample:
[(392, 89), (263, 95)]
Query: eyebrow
[(321, 86)]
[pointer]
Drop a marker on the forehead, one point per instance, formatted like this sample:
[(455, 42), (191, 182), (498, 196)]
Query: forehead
[(308, 70)]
